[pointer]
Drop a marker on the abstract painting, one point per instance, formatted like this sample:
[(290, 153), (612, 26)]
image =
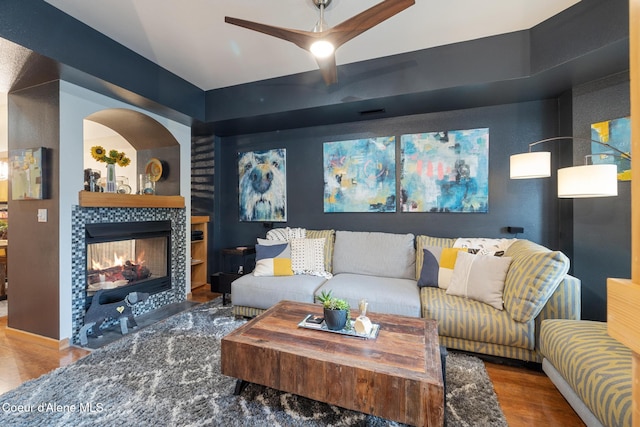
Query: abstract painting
[(262, 185), (445, 171), (616, 133), (360, 175), (27, 168)]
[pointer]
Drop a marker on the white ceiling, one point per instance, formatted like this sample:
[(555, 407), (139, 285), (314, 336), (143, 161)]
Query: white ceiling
[(191, 39)]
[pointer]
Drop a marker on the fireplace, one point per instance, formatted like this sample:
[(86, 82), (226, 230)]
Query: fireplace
[(176, 283), (124, 257)]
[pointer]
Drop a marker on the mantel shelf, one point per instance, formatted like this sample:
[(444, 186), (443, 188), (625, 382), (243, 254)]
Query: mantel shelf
[(115, 200)]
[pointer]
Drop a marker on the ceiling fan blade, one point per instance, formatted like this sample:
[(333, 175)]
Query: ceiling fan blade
[(328, 69), (358, 24), (303, 39)]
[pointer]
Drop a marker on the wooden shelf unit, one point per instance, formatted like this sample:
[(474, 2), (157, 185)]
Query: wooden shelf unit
[(199, 252), (115, 200)]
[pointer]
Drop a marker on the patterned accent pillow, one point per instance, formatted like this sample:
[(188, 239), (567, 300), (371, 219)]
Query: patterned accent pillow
[(480, 278), (533, 277), (437, 268), (485, 252), (267, 242), (483, 245), (330, 237), (307, 257), (274, 260), (286, 234), (422, 242)]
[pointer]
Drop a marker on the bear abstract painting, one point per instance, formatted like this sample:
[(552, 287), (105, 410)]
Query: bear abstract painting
[(262, 185), (445, 171), (360, 175)]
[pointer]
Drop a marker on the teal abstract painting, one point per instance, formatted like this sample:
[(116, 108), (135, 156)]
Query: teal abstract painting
[(616, 133), (445, 171), (360, 175)]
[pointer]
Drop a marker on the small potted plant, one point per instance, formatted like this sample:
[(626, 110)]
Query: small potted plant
[(336, 310)]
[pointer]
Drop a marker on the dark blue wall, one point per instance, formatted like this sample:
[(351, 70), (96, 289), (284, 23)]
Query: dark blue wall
[(511, 127), (594, 233), (601, 227)]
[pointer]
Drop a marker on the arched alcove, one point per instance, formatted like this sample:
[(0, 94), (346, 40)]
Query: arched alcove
[(148, 139), (142, 131)]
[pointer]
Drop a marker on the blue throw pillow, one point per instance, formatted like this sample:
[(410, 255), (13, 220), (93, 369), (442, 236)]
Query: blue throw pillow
[(429, 272)]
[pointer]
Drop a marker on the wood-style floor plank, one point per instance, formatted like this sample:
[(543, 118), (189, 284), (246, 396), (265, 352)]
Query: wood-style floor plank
[(527, 397)]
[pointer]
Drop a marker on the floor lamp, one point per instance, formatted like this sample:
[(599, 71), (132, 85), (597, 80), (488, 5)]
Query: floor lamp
[(588, 180)]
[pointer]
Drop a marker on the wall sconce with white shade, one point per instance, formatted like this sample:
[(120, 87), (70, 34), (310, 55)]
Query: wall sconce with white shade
[(588, 180)]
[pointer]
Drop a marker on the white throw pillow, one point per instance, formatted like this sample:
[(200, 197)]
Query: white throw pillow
[(268, 242), (286, 233), (480, 278), (307, 256), (483, 245)]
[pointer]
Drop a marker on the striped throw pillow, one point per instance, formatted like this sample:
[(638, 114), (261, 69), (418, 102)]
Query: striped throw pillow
[(533, 276)]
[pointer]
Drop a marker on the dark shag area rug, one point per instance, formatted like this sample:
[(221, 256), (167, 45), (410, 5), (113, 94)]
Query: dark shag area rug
[(168, 374)]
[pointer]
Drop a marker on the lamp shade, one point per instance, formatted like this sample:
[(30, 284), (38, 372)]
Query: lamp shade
[(530, 165), (588, 181)]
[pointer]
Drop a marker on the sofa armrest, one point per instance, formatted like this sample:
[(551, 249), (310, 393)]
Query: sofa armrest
[(565, 303)]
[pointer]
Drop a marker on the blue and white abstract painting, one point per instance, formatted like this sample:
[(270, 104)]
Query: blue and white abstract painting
[(445, 171), (360, 175), (617, 133)]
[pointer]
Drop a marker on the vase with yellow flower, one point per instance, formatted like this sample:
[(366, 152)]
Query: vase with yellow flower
[(112, 158)]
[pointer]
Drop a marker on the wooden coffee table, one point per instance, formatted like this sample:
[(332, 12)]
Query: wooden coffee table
[(397, 376)]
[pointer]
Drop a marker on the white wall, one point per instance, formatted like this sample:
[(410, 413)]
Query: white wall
[(76, 103), (97, 134)]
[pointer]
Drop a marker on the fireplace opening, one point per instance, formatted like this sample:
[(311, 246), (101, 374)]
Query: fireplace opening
[(127, 257)]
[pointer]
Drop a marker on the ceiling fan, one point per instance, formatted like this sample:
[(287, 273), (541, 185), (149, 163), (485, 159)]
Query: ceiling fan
[(322, 41)]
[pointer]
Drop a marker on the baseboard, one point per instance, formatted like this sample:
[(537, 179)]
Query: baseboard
[(37, 339)]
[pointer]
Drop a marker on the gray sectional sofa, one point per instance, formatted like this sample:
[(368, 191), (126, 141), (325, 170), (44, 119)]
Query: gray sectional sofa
[(385, 268)]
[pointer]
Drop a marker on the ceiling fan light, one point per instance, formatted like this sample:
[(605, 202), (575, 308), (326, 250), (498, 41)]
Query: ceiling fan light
[(321, 49)]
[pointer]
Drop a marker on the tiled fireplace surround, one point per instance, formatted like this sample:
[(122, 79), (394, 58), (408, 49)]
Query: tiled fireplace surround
[(89, 215)]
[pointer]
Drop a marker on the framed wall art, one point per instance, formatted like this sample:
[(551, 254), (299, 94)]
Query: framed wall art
[(617, 133), (445, 171), (360, 175), (262, 185), (27, 169)]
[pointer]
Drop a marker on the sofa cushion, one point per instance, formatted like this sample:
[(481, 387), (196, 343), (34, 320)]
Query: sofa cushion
[(374, 254), (273, 260), (479, 277), (384, 294), (264, 292), (422, 242), (466, 319), (533, 276), (437, 266), (596, 366), (329, 236)]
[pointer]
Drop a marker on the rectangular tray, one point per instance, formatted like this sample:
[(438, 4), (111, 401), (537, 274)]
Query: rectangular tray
[(349, 332)]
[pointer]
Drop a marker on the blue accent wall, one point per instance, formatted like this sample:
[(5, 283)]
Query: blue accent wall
[(530, 203)]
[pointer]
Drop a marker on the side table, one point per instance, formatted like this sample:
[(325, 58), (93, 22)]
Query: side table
[(235, 262)]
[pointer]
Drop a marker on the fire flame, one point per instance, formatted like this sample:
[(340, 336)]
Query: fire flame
[(118, 261)]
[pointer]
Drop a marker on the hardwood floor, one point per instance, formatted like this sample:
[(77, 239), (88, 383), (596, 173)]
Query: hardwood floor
[(527, 397)]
